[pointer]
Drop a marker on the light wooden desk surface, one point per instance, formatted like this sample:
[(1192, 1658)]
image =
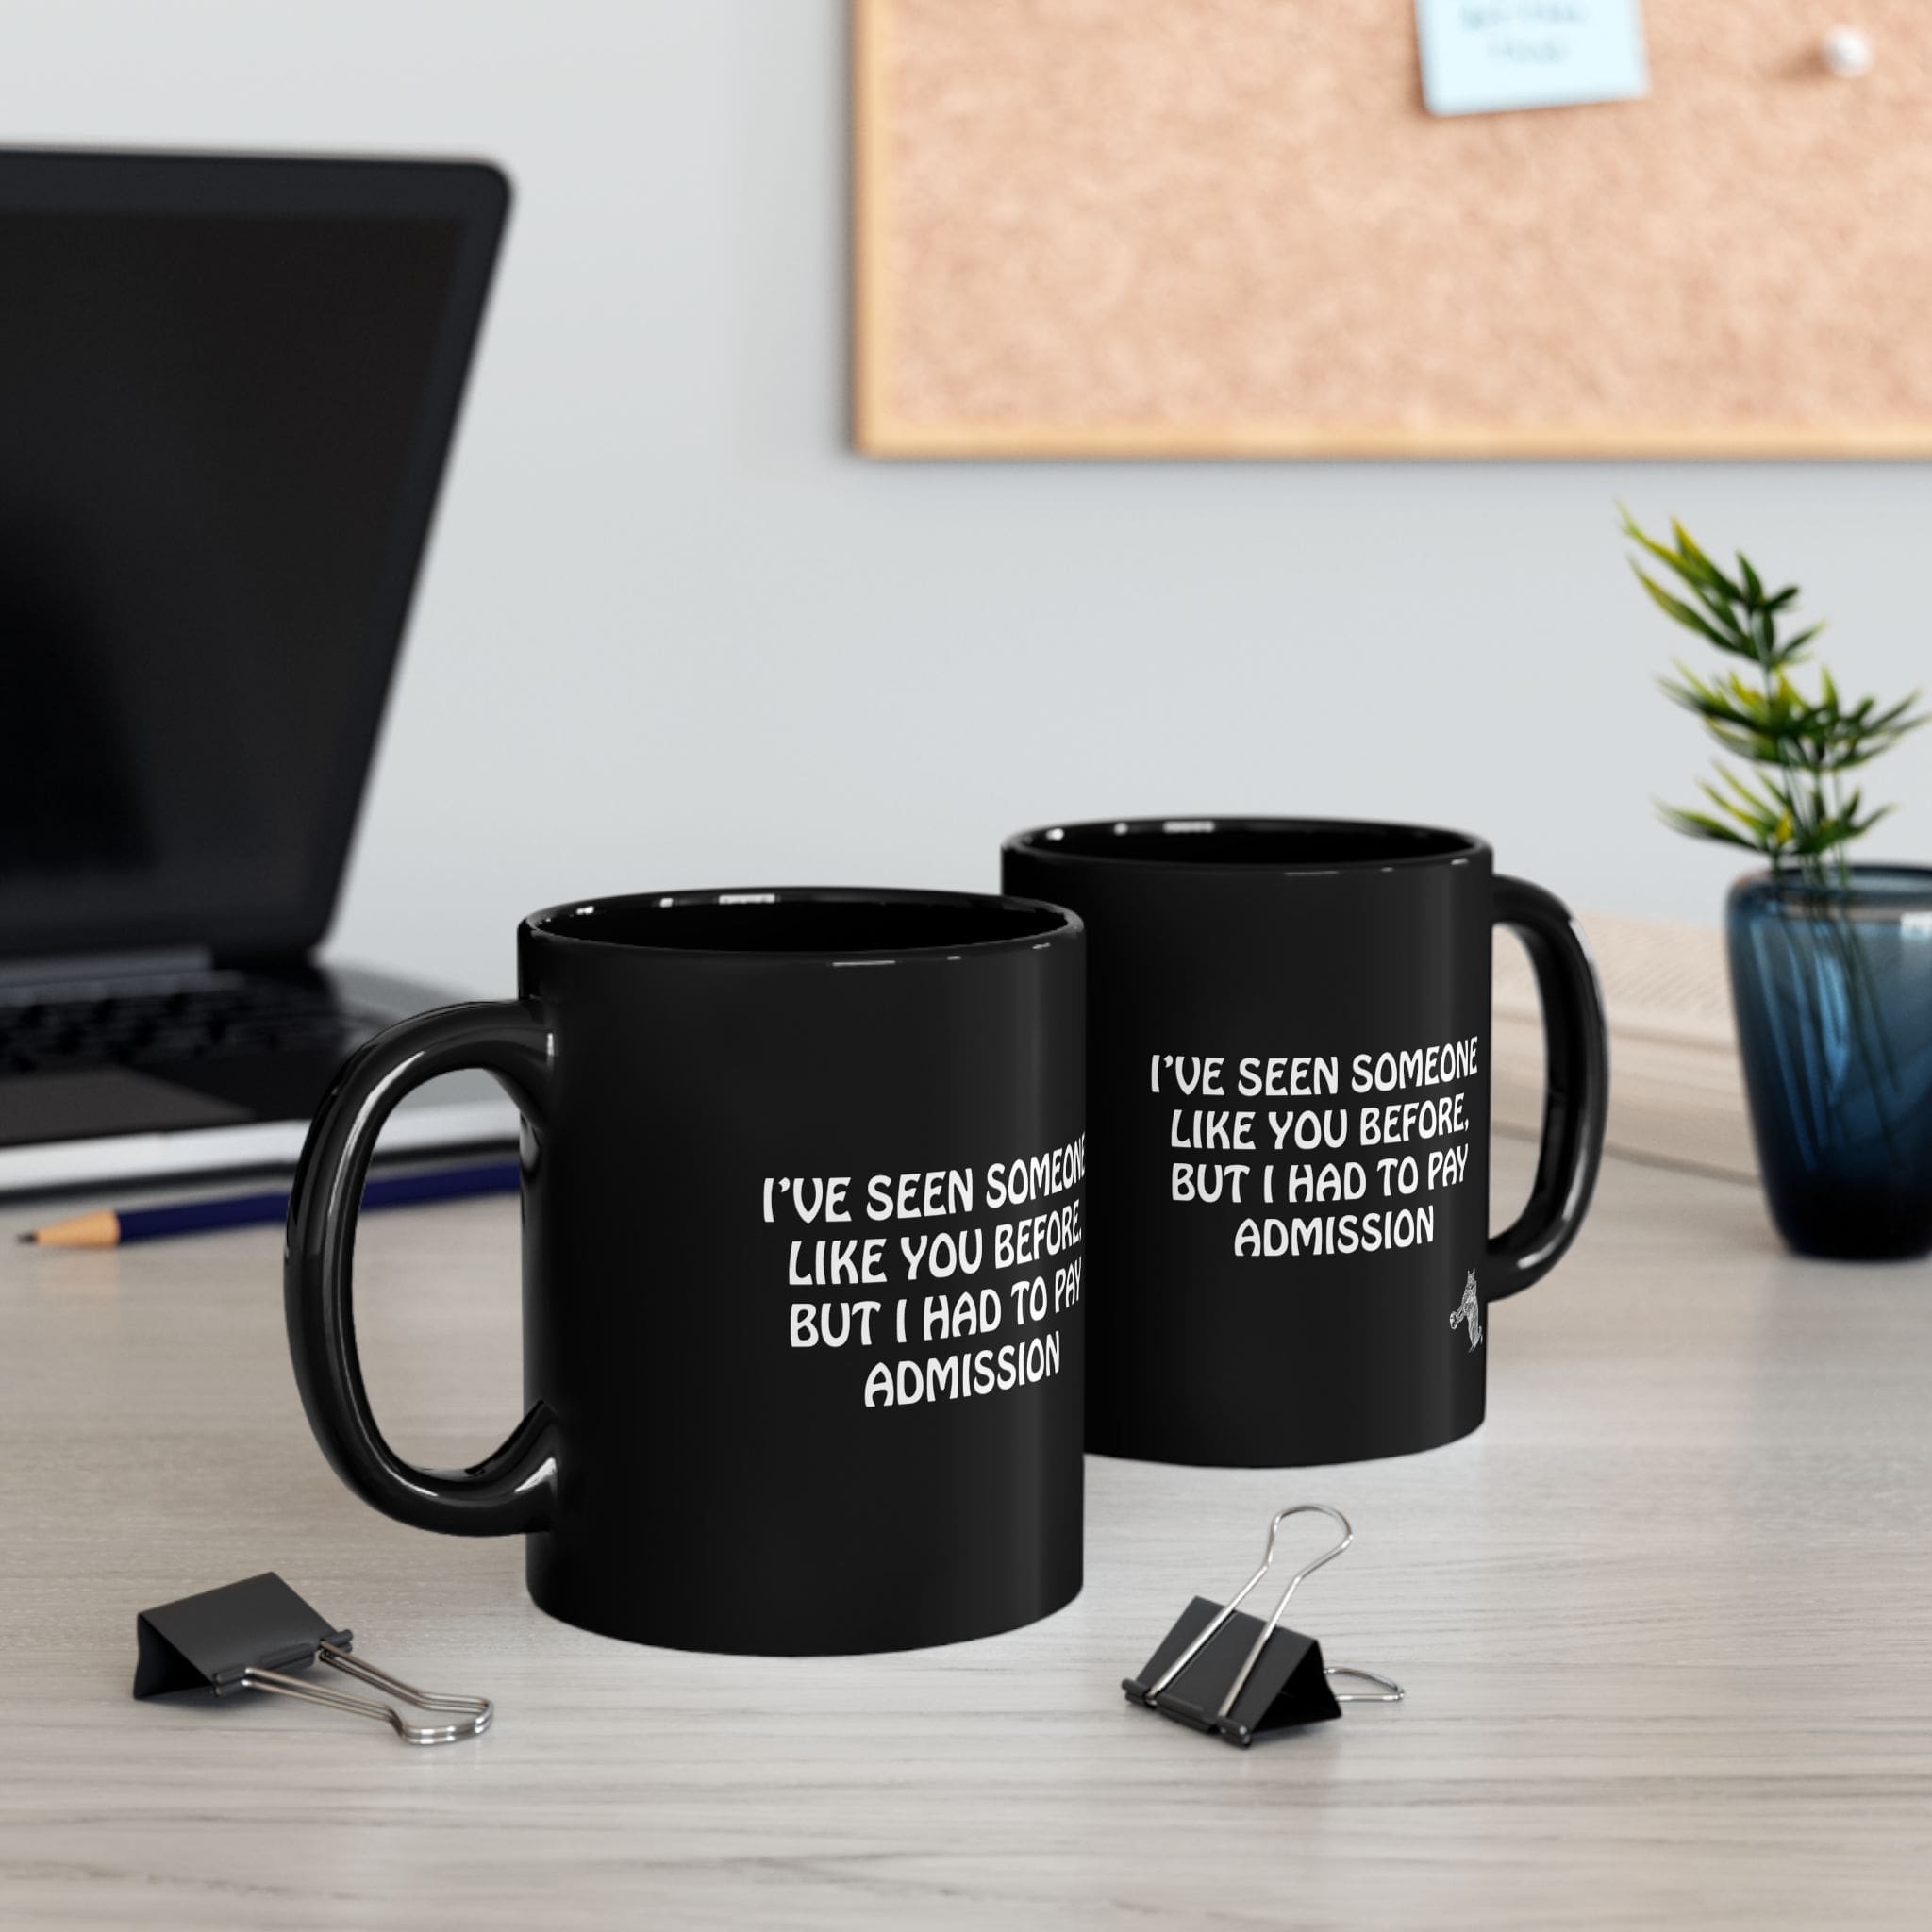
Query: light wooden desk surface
[(1666, 1625)]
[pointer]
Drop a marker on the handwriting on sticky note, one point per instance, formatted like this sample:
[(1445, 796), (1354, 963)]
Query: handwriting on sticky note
[(1485, 56)]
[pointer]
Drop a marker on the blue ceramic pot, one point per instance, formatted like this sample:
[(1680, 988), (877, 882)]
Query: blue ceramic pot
[(1833, 990)]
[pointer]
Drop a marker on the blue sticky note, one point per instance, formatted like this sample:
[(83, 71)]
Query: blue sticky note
[(1482, 57)]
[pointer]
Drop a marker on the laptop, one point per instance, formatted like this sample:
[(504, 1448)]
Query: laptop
[(227, 386)]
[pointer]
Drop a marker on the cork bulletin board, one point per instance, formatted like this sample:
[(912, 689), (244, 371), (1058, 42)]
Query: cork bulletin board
[(1229, 227)]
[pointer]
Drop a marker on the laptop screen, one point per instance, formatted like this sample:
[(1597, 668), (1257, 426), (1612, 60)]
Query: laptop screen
[(222, 429)]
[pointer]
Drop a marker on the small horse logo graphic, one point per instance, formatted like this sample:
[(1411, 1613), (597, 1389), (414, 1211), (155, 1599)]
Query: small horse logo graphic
[(1470, 1313)]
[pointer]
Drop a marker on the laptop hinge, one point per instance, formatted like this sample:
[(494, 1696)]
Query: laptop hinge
[(83, 968)]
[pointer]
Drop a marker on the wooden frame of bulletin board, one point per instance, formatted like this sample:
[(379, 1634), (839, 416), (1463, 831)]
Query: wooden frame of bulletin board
[(1230, 228)]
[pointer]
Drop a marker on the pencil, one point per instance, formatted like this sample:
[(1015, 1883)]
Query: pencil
[(110, 1228)]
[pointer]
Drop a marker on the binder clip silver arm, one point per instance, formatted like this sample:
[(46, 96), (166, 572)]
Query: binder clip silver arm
[(478, 1711), (1391, 1692), (1235, 1601), (1261, 1643)]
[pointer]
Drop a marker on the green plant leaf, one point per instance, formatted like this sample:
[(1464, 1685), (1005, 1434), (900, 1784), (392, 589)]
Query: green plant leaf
[(1792, 748), (1699, 824), (1689, 564), (1680, 613), (1885, 720), (1763, 807), (1695, 564)]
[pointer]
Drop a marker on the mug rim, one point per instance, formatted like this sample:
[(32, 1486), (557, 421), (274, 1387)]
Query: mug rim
[(1043, 841), (1052, 922)]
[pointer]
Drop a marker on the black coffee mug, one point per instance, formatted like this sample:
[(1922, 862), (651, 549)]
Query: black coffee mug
[(1288, 1086), (802, 1256)]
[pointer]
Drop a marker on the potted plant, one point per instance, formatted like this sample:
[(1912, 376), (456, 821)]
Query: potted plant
[(1831, 961)]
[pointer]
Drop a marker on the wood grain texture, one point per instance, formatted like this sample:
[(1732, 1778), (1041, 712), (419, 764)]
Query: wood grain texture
[(1663, 1622), (1229, 229)]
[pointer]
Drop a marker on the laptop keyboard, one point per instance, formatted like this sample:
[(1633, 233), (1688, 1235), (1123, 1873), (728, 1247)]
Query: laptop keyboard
[(214, 1016)]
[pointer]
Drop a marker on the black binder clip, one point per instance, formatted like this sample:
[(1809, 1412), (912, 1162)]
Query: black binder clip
[(249, 1635), (1221, 1671)]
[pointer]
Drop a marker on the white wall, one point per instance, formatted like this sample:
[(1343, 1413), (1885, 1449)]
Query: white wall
[(673, 633)]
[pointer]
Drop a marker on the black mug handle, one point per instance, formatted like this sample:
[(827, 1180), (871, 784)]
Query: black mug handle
[(512, 1489), (1577, 1088)]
